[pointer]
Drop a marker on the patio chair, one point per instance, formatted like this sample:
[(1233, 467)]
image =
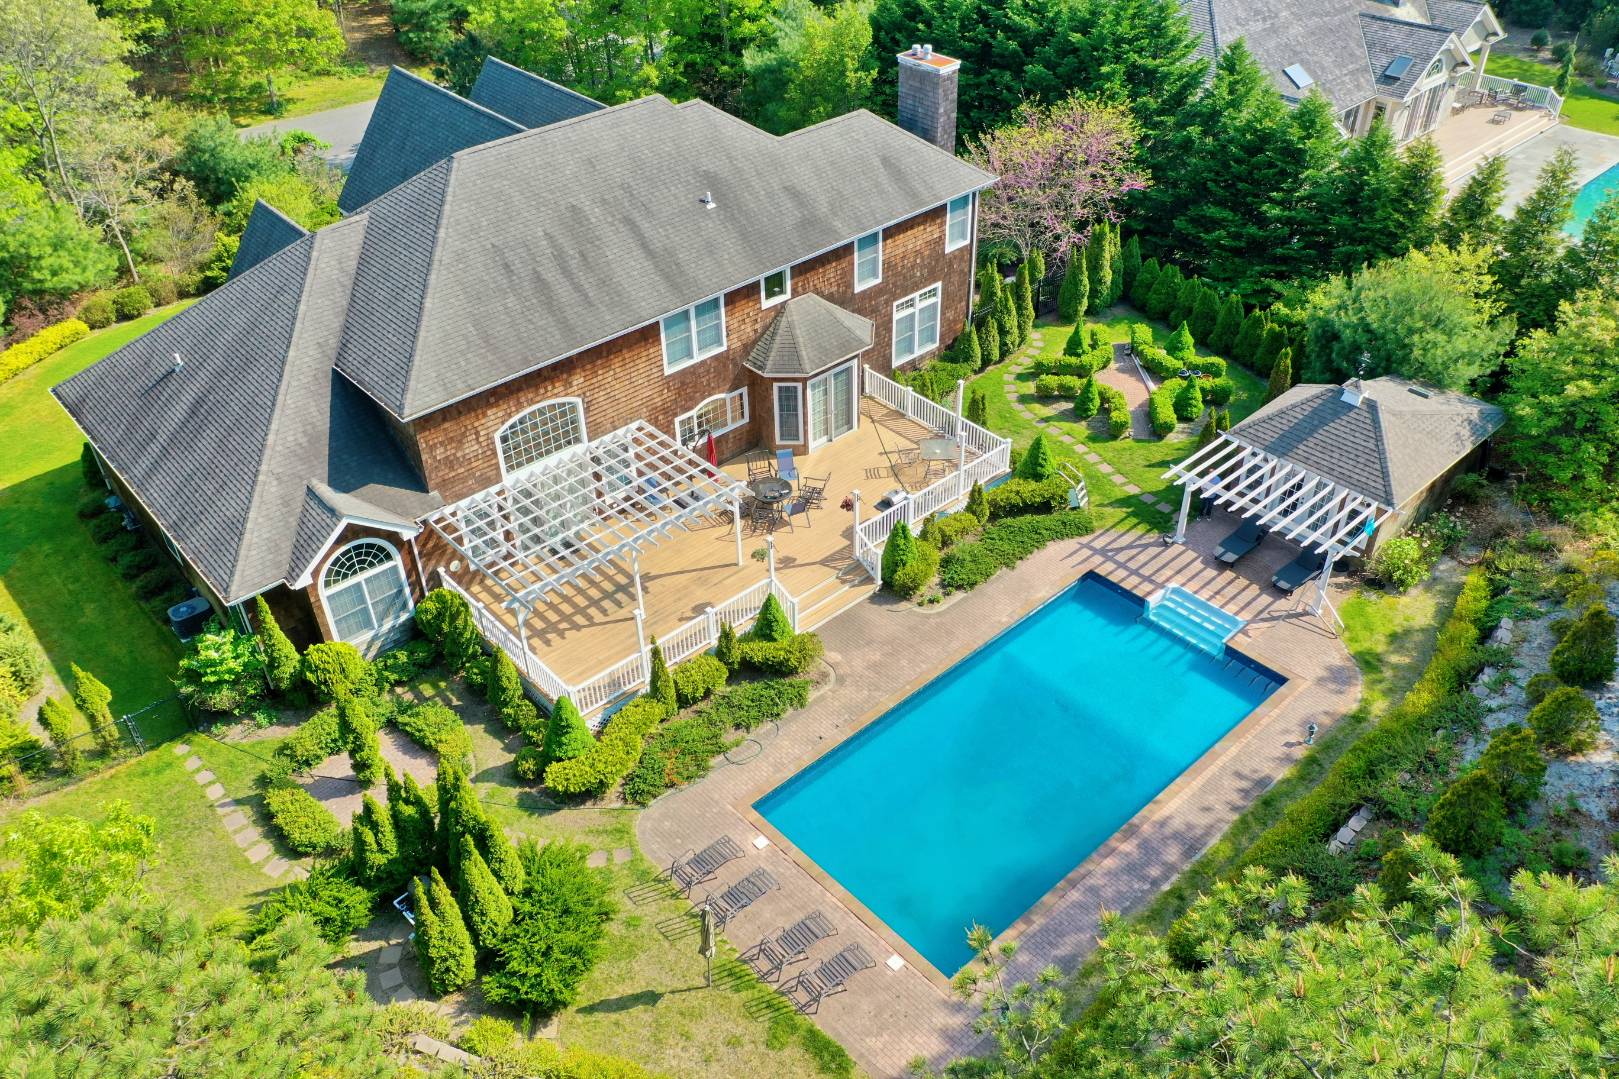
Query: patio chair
[(739, 896), (814, 490), (785, 468), (761, 516), (1292, 576), (779, 950), (699, 867), (1239, 543), (828, 979), (799, 506), (759, 468)]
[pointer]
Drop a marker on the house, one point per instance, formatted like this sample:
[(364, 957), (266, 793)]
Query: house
[(513, 365), (1417, 65), (1339, 470)]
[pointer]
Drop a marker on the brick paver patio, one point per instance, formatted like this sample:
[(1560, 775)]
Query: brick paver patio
[(889, 1017)]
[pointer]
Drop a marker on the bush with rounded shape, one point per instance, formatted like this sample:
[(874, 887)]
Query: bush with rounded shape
[(435, 726), (97, 312), (1056, 386), (1400, 563), (1469, 817), (918, 571), (782, 659), (566, 735), (1118, 411), (1537, 687), (488, 1035), (1585, 655), (1540, 38), (695, 680), (1016, 497), (1218, 393), (1394, 877), (131, 302), (335, 669), (771, 623), (559, 925), (162, 288), (1566, 721), (529, 763), (1161, 407), (1515, 762), (305, 825), (1188, 401)]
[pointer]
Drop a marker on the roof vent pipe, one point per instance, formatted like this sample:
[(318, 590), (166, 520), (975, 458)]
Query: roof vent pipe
[(916, 50), (178, 363), (927, 52), (1352, 392), (707, 199)]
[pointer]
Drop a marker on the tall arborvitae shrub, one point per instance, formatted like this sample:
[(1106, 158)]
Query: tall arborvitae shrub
[(498, 851), (978, 408), (1245, 349), (1186, 301), (1209, 430), (89, 468), (1075, 295), (1205, 314), (1115, 266), (968, 350), (1130, 263), (1189, 401), (1037, 274), (1025, 301), (1099, 265), (1281, 375), (660, 683), (1089, 399), (1038, 462), (897, 552), (487, 908), (360, 735), (1225, 419), (280, 656), (426, 937), (566, 735), (413, 825), (56, 717), (725, 646), (454, 962), (456, 803), (1181, 346), (1585, 655), (990, 339), (1146, 279), (1007, 321), (989, 289), (1270, 348), (375, 855), (1165, 292), (506, 696), (978, 502), (95, 701), (1226, 327)]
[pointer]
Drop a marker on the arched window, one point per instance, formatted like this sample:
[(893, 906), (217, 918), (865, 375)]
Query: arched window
[(541, 431), (364, 592)]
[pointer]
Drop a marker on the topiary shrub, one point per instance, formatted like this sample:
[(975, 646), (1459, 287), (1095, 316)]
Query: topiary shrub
[(696, 680), (1469, 816), (487, 909), (1566, 721), (782, 659), (1118, 411), (360, 736), (1219, 391), (1585, 655), (613, 756), (1056, 386), (97, 313), (1515, 762), (918, 571), (445, 619), (529, 763), (1537, 687), (1181, 347), (660, 683), (506, 696), (131, 302), (335, 670), (725, 645), (772, 623), (318, 737), (443, 945), (566, 735), (305, 825), (1017, 497), (1188, 402), (1038, 462), (437, 727), (1161, 407)]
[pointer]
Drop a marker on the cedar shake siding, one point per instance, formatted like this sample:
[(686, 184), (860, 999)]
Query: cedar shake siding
[(623, 379), (350, 533)]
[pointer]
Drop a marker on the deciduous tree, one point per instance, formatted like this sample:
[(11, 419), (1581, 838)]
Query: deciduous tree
[(60, 866), (814, 65)]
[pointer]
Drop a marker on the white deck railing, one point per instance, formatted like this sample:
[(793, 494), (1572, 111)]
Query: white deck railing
[(1541, 97), (990, 456)]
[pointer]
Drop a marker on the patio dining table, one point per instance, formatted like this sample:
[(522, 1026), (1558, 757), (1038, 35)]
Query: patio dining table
[(771, 491), (937, 451)]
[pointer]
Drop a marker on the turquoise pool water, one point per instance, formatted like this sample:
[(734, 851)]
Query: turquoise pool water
[(974, 796), (1590, 196)]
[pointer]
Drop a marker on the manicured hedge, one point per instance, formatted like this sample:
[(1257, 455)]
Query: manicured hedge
[(307, 826), (1161, 407), (1057, 386), (698, 678), (781, 659), (944, 531), (614, 755), (1395, 745), (47, 342), (320, 736), (1117, 409), (1018, 496), (1006, 543), (436, 727), (682, 750)]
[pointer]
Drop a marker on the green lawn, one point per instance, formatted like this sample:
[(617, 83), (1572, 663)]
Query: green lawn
[(51, 574), (1583, 106), (1141, 463), (316, 93)]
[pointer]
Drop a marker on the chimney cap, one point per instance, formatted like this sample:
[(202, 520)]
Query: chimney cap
[(923, 56)]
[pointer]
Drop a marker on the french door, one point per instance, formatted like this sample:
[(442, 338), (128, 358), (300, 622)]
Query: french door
[(832, 405)]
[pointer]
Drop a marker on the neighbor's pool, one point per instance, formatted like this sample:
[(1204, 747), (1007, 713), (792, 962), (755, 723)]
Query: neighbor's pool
[(974, 796), (1592, 195)]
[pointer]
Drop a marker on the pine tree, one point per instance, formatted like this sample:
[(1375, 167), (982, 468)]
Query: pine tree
[(660, 683), (1038, 462), (1593, 262), (1075, 294), (1419, 195), (1364, 210), (1532, 245), (487, 908), (376, 846), (1269, 349), (57, 718), (1227, 326), (1245, 350), (990, 338), (1146, 279), (1474, 215), (280, 656), (1130, 265), (725, 646), (454, 963), (1205, 315), (897, 552), (566, 735), (978, 502), (1025, 301), (1186, 301), (1089, 401), (412, 819), (1165, 293), (94, 700), (1281, 375), (968, 350)]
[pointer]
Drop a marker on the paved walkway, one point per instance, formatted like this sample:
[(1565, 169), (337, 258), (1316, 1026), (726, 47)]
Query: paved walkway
[(237, 818), (891, 1015), (1594, 153), (342, 127)]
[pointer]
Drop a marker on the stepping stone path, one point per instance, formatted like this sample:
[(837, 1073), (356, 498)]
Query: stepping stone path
[(252, 841), (596, 859)]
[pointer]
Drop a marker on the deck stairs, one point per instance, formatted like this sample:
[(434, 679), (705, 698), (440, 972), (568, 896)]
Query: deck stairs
[(1524, 126), (832, 597), (1194, 620)]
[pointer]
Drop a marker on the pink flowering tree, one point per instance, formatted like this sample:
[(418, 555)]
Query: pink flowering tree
[(1062, 169)]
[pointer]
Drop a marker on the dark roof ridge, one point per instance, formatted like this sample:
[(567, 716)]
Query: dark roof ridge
[(493, 59), (467, 101), (506, 140)]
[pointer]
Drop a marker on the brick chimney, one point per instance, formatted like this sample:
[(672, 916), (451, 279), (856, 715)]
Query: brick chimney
[(927, 95)]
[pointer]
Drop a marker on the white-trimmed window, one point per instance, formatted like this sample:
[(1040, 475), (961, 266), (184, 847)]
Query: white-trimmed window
[(789, 412), (364, 592), (693, 334), (916, 324), (868, 260), (545, 429), (958, 222), (776, 287), (721, 413)]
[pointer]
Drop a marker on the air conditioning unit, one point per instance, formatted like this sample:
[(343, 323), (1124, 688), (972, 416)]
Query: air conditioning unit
[(189, 618)]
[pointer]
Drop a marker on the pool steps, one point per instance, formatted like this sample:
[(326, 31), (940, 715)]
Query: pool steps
[(1193, 619)]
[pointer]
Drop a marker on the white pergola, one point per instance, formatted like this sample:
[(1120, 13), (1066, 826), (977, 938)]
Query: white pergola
[(1282, 497), (577, 512)]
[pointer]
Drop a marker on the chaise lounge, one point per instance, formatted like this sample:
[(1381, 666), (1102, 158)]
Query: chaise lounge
[(1293, 575), (828, 979), (693, 869), (1239, 543), (775, 952), (739, 896)]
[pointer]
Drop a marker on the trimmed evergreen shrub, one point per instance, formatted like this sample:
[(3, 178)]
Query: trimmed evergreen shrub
[(374, 846), (1205, 314), (528, 763), (1227, 326), (338, 906), (1115, 252), (1089, 399), (1566, 721), (1007, 321), (1038, 463), (968, 351), (1469, 816), (487, 909), (1281, 375), (47, 342), (97, 312), (990, 340), (1515, 763), (1207, 433), (1165, 293), (1117, 409), (1006, 543), (505, 692), (95, 703), (1245, 348), (56, 717), (978, 408), (281, 662), (566, 735), (1186, 301), (771, 623), (413, 823), (1180, 346), (613, 756), (1585, 655), (1129, 264), (1017, 496), (1025, 301), (1188, 401), (781, 659), (900, 549), (1056, 386), (1146, 278), (660, 683), (696, 680), (445, 949), (557, 931), (335, 669), (725, 645), (131, 302), (917, 571), (305, 825), (945, 530), (1161, 407), (318, 737), (445, 619), (1219, 392), (435, 726), (1537, 687), (978, 502), (1075, 294), (360, 735), (1270, 347)]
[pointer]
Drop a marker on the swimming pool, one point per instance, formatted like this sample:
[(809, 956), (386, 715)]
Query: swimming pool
[(1590, 196), (976, 795)]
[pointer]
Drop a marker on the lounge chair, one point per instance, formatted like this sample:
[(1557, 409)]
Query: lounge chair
[(775, 952), (739, 896), (699, 867), (813, 490), (828, 979), (1293, 575), (1239, 543)]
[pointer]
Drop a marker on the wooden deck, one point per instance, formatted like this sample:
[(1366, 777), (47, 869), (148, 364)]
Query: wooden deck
[(589, 626)]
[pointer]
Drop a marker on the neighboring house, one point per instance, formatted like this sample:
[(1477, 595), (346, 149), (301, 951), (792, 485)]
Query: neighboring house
[(552, 294)]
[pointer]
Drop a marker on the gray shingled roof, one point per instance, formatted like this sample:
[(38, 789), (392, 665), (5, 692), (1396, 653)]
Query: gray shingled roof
[(529, 249), (415, 125), (808, 335), (1399, 439), (268, 231), (527, 98), (1457, 15), (1388, 38), (221, 451)]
